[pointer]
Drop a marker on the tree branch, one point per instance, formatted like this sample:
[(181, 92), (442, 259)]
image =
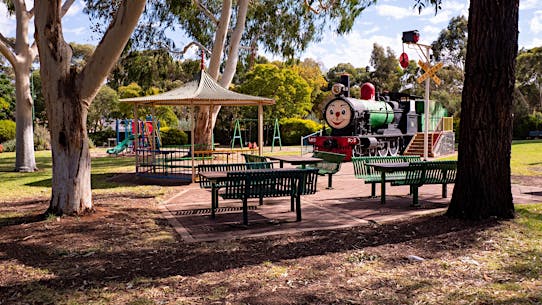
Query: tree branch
[(206, 11), (66, 6), (110, 47), (321, 5), (6, 50)]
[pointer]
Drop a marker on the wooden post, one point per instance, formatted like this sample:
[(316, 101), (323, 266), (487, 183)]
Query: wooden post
[(192, 122), (260, 129)]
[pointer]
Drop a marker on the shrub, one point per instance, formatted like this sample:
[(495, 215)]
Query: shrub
[(7, 130), (292, 129), (173, 136), (101, 136), (42, 138), (9, 146)]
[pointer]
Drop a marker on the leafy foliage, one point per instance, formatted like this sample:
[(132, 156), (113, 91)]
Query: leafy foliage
[(7, 97), (104, 106), (173, 136), (292, 129), (387, 71), (152, 68), (7, 130), (451, 44), (290, 91), (42, 138)]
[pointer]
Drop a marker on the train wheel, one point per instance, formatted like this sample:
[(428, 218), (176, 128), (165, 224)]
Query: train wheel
[(393, 147), (384, 150)]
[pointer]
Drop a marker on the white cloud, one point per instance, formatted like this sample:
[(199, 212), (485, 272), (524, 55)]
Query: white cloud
[(7, 22), (77, 31), (536, 22), (371, 31), (393, 11), (529, 4), (534, 43)]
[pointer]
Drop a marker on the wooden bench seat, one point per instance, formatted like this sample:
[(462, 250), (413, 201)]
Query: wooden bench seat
[(270, 183), (369, 175), (330, 165)]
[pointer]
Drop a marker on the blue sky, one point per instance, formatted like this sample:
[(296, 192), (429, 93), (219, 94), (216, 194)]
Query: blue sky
[(382, 24)]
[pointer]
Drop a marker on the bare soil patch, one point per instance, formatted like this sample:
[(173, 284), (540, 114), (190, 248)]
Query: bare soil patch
[(126, 253)]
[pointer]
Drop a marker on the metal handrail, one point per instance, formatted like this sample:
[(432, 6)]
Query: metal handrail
[(305, 148)]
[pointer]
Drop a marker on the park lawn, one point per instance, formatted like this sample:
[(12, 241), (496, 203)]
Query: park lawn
[(37, 185)]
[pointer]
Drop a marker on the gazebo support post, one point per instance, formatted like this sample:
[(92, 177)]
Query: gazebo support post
[(260, 129), (192, 152), (135, 131)]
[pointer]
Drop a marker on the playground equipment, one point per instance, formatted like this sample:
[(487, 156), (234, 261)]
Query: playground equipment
[(148, 135), (237, 134), (121, 146)]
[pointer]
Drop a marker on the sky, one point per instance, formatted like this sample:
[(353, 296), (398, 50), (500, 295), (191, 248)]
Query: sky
[(382, 24)]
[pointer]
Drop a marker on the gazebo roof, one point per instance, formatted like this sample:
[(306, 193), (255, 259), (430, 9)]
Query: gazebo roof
[(204, 90)]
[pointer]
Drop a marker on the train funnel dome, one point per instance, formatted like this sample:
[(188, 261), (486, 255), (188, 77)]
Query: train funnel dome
[(367, 91)]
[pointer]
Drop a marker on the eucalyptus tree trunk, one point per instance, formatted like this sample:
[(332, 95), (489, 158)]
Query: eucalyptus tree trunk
[(204, 126), (68, 95), (25, 160), (483, 187)]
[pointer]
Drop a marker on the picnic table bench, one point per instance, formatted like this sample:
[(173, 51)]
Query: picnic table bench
[(370, 175), (428, 172), (330, 164), (227, 167), (254, 158), (263, 183)]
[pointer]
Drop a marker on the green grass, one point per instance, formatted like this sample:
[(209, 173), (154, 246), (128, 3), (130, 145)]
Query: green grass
[(526, 158), (37, 185)]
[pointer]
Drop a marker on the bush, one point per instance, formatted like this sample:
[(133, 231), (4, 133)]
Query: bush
[(42, 138), (292, 129), (7, 130), (173, 136), (9, 146), (100, 137)]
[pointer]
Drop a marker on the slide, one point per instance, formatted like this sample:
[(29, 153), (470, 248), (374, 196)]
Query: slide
[(121, 146)]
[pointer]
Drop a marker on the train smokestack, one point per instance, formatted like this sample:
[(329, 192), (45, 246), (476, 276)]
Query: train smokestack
[(345, 80)]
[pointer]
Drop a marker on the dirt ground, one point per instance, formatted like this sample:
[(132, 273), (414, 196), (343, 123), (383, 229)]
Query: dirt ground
[(126, 253)]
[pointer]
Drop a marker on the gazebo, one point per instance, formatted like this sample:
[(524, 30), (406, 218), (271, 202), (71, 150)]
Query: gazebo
[(203, 91)]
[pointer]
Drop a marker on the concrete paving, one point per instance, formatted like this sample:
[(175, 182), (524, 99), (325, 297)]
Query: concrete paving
[(348, 204)]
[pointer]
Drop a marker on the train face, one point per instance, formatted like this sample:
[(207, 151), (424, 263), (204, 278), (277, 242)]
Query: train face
[(366, 126)]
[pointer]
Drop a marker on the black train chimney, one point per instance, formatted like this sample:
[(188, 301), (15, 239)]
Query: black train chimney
[(345, 80)]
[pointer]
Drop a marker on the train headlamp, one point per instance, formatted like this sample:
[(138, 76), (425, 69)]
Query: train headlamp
[(337, 89)]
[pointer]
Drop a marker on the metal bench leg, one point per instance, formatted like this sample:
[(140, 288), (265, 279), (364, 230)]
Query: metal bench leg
[(298, 207), (292, 198), (261, 200), (245, 211), (329, 182), (415, 202), (373, 190), (444, 190)]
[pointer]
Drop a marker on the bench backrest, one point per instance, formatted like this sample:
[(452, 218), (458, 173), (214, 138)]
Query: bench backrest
[(270, 183), (228, 167), (254, 158), (331, 161), (431, 172), (361, 169)]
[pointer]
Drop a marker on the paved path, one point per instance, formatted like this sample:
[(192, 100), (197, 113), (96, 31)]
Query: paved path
[(347, 205)]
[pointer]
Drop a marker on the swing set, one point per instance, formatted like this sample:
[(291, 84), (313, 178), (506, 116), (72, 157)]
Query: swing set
[(237, 135)]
